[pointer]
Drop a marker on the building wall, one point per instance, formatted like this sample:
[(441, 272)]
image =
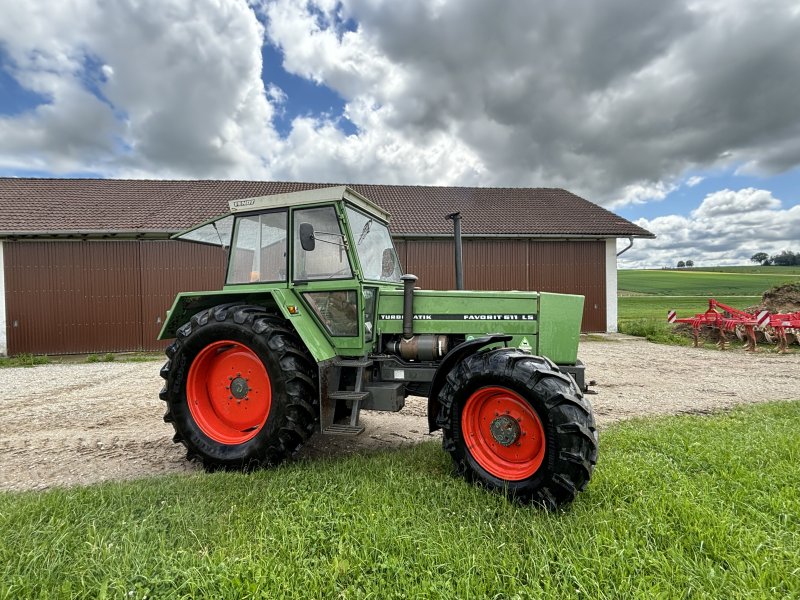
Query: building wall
[(569, 267), (99, 296), (3, 342), (611, 286), (66, 297)]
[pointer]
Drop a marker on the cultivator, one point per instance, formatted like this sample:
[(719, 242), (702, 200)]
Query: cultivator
[(780, 328)]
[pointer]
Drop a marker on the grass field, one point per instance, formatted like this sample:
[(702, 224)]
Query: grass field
[(700, 283), (750, 269), (645, 296), (701, 507), (656, 307)]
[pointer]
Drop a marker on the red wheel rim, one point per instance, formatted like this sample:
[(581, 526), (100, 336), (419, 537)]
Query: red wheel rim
[(228, 392), (503, 433)]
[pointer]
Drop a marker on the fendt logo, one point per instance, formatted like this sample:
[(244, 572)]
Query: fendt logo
[(240, 203)]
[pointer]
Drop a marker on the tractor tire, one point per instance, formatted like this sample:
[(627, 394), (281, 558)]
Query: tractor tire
[(241, 388), (512, 422)]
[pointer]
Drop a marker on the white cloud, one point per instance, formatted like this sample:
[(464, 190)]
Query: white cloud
[(726, 229), (643, 193), (729, 203), (180, 92), (694, 180), (615, 101)]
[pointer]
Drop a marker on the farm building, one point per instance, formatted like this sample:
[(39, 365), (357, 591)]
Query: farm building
[(86, 265)]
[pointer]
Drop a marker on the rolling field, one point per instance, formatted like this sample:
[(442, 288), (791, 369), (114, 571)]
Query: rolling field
[(645, 296), (750, 269), (656, 307), (701, 283)]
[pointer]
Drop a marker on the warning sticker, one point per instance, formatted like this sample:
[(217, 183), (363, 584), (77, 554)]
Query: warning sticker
[(524, 345)]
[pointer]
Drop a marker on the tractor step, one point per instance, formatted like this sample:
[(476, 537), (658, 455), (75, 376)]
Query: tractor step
[(349, 395), (352, 362), (342, 429)]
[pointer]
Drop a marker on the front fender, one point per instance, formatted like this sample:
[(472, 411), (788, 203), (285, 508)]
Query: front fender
[(190, 303), (453, 357)]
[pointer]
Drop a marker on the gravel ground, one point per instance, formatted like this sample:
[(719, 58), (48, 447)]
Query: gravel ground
[(70, 424)]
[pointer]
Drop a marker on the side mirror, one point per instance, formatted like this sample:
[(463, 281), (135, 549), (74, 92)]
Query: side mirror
[(307, 240)]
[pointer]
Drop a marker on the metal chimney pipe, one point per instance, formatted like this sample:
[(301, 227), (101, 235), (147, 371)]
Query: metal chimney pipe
[(408, 305), (456, 218)]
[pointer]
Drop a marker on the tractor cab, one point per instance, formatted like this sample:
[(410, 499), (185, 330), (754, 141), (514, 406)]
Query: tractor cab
[(323, 235), (330, 249)]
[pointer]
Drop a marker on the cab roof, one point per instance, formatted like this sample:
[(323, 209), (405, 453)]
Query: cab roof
[(328, 194)]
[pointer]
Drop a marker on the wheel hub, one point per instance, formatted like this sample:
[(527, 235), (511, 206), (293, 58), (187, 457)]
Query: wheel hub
[(505, 430), (239, 388)]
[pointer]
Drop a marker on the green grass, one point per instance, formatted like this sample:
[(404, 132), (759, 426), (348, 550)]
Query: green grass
[(699, 283), (23, 360), (700, 507), (655, 308), (795, 270), (30, 360), (108, 357), (653, 331)]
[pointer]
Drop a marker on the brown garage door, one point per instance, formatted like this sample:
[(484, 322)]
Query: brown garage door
[(570, 267), (98, 296)]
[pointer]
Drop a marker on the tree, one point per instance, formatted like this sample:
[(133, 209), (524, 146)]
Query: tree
[(689, 263), (760, 257), (681, 264), (786, 258)]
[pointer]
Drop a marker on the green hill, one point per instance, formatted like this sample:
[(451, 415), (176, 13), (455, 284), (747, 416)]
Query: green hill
[(696, 282)]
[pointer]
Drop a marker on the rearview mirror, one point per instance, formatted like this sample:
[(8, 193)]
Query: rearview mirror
[(307, 240)]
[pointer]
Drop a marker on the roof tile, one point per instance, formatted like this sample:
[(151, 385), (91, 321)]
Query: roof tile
[(117, 205)]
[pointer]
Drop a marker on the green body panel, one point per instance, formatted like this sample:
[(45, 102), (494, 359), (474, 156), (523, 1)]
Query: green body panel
[(190, 303), (542, 323), (470, 313), (560, 326)]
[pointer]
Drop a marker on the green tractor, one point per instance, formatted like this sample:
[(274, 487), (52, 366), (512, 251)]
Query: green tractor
[(317, 322)]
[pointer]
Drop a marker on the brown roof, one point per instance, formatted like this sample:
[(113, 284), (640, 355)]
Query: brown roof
[(92, 206)]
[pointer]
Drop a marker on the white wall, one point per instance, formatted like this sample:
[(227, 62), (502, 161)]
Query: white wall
[(3, 346), (611, 285)]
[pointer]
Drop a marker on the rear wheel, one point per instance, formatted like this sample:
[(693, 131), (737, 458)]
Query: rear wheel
[(240, 389), (512, 422)]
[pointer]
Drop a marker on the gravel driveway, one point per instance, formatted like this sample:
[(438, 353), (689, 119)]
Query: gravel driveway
[(68, 424)]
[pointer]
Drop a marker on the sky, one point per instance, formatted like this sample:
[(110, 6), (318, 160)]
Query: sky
[(681, 116)]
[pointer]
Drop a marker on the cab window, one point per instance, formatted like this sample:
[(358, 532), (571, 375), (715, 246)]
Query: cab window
[(258, 253), (328, 259)]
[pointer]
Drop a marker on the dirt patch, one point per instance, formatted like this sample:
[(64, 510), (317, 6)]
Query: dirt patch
[(782, 298), (84, 423)]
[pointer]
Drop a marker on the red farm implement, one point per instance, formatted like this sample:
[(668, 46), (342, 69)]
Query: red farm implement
[(780, 328)]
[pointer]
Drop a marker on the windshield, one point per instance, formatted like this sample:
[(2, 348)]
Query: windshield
[(374, 247)]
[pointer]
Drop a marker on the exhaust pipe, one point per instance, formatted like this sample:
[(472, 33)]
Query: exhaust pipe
[(408, 305), (456, 218)]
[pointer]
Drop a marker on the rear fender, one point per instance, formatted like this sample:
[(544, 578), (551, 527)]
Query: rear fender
[(453, 357), (190, 303)]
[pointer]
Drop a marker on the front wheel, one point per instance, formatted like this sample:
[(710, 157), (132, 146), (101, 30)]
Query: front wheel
[(512, 422), (240, 388)]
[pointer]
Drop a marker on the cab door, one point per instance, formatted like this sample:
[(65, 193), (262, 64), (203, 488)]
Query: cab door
[(323, 276)]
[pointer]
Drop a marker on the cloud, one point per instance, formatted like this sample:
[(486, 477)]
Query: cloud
[(150, 88), (726, 229), (615, 101), (724, 203)]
